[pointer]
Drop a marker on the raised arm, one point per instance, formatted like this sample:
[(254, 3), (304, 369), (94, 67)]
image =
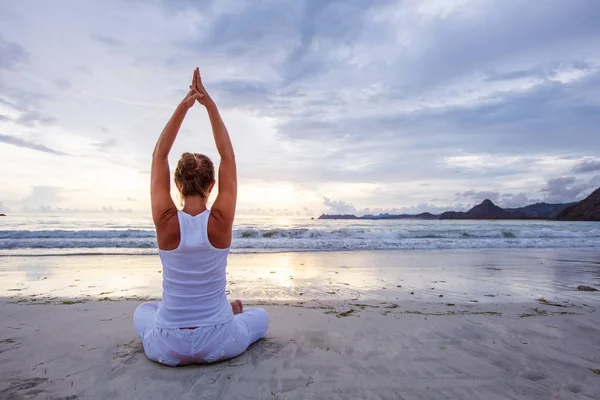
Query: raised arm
[(160, 186), (223, 209)]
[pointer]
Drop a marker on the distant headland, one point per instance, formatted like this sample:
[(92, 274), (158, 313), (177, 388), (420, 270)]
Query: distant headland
[(587, 209)]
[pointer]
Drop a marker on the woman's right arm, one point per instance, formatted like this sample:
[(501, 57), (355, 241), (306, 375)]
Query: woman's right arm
[(223, 209)]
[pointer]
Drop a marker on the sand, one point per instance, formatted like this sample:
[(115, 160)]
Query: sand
[(88, 351), (510, 328)]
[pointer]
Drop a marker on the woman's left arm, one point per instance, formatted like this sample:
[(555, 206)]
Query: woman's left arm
[(160, 180)]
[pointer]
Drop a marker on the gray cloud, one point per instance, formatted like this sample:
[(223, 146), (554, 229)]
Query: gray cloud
[(84, 69), (105, 144), (20, 99), (316, 89), (29, 145), (515, 200), (479, 196), (31, 118), (565, 189), (506, 200), (587, 166), (107, 41), (385, 93), (544, 72), (62, 84), (11, 54)]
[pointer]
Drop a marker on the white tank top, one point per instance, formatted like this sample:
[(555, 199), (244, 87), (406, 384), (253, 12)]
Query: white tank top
[(193, 278)]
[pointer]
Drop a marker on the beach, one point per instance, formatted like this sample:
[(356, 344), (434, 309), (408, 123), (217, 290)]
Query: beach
[(409, 189), (398, 324)]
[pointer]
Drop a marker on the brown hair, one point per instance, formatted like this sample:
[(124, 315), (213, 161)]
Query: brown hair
[(194, 174)]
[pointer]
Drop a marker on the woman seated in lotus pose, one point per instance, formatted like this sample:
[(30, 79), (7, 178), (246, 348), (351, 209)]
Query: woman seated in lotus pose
[(194, 322)]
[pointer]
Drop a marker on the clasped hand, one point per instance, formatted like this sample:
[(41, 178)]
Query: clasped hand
[(197, 92)]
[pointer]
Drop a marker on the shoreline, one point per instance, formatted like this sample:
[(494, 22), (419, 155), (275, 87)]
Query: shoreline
[(251, 252)]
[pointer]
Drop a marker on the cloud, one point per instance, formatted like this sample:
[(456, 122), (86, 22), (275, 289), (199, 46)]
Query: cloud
[(42, 196), (479, 196), (62, 84), (587, 166), (515, 200), (105, 145), (29, 145), (391, 95), (31, 118), (11, 55), (107, 41), (338, 207), (565, 189), (84, 69)]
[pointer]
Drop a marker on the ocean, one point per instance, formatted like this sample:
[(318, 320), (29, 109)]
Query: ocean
[(125, 234)]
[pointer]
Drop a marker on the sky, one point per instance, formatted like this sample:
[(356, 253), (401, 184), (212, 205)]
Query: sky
[(332, 106)]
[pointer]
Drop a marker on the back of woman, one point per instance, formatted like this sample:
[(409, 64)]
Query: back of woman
[(194, 322), (194, 278)]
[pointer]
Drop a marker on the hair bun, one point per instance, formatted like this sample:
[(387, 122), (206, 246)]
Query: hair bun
[(190, 164), (194, 173)]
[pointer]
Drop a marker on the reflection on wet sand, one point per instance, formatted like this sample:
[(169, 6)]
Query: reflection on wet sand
[(448, 275)]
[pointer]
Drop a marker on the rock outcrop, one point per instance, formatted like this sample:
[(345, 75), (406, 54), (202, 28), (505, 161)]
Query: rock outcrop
[(540, 210), (587, 209), (337, 216), (485, 210)]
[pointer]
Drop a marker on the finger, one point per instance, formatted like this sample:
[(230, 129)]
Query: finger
[(198, 82), (195, 79), (199, 78)]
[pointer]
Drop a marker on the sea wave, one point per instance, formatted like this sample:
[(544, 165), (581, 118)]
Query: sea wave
[(143, 241)]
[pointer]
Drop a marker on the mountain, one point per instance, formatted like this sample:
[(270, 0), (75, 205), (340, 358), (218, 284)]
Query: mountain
[(540, 210), (338, 216), (427, 215), (485, 210), (379, 216), (385, 216), (587, 209)]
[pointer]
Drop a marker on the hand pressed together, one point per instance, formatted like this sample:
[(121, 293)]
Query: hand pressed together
[(197, 92)]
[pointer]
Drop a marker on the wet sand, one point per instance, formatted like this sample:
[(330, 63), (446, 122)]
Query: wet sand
[(494, 324), (496, 275)]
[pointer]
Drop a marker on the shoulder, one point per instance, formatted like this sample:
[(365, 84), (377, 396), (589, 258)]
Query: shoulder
[(218, 230), (167, 231)]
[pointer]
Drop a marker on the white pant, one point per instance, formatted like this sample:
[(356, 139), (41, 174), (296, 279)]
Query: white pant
[(200, 345)]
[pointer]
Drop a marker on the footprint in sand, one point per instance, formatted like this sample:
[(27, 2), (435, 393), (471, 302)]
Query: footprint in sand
[(533, 376), (573, 388), (128, 353), (20, 384), (264, 349)]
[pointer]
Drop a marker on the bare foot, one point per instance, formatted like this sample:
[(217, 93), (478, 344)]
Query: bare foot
[(237, 307)]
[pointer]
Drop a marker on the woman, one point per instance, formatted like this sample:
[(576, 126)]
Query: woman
[(194, 322)]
